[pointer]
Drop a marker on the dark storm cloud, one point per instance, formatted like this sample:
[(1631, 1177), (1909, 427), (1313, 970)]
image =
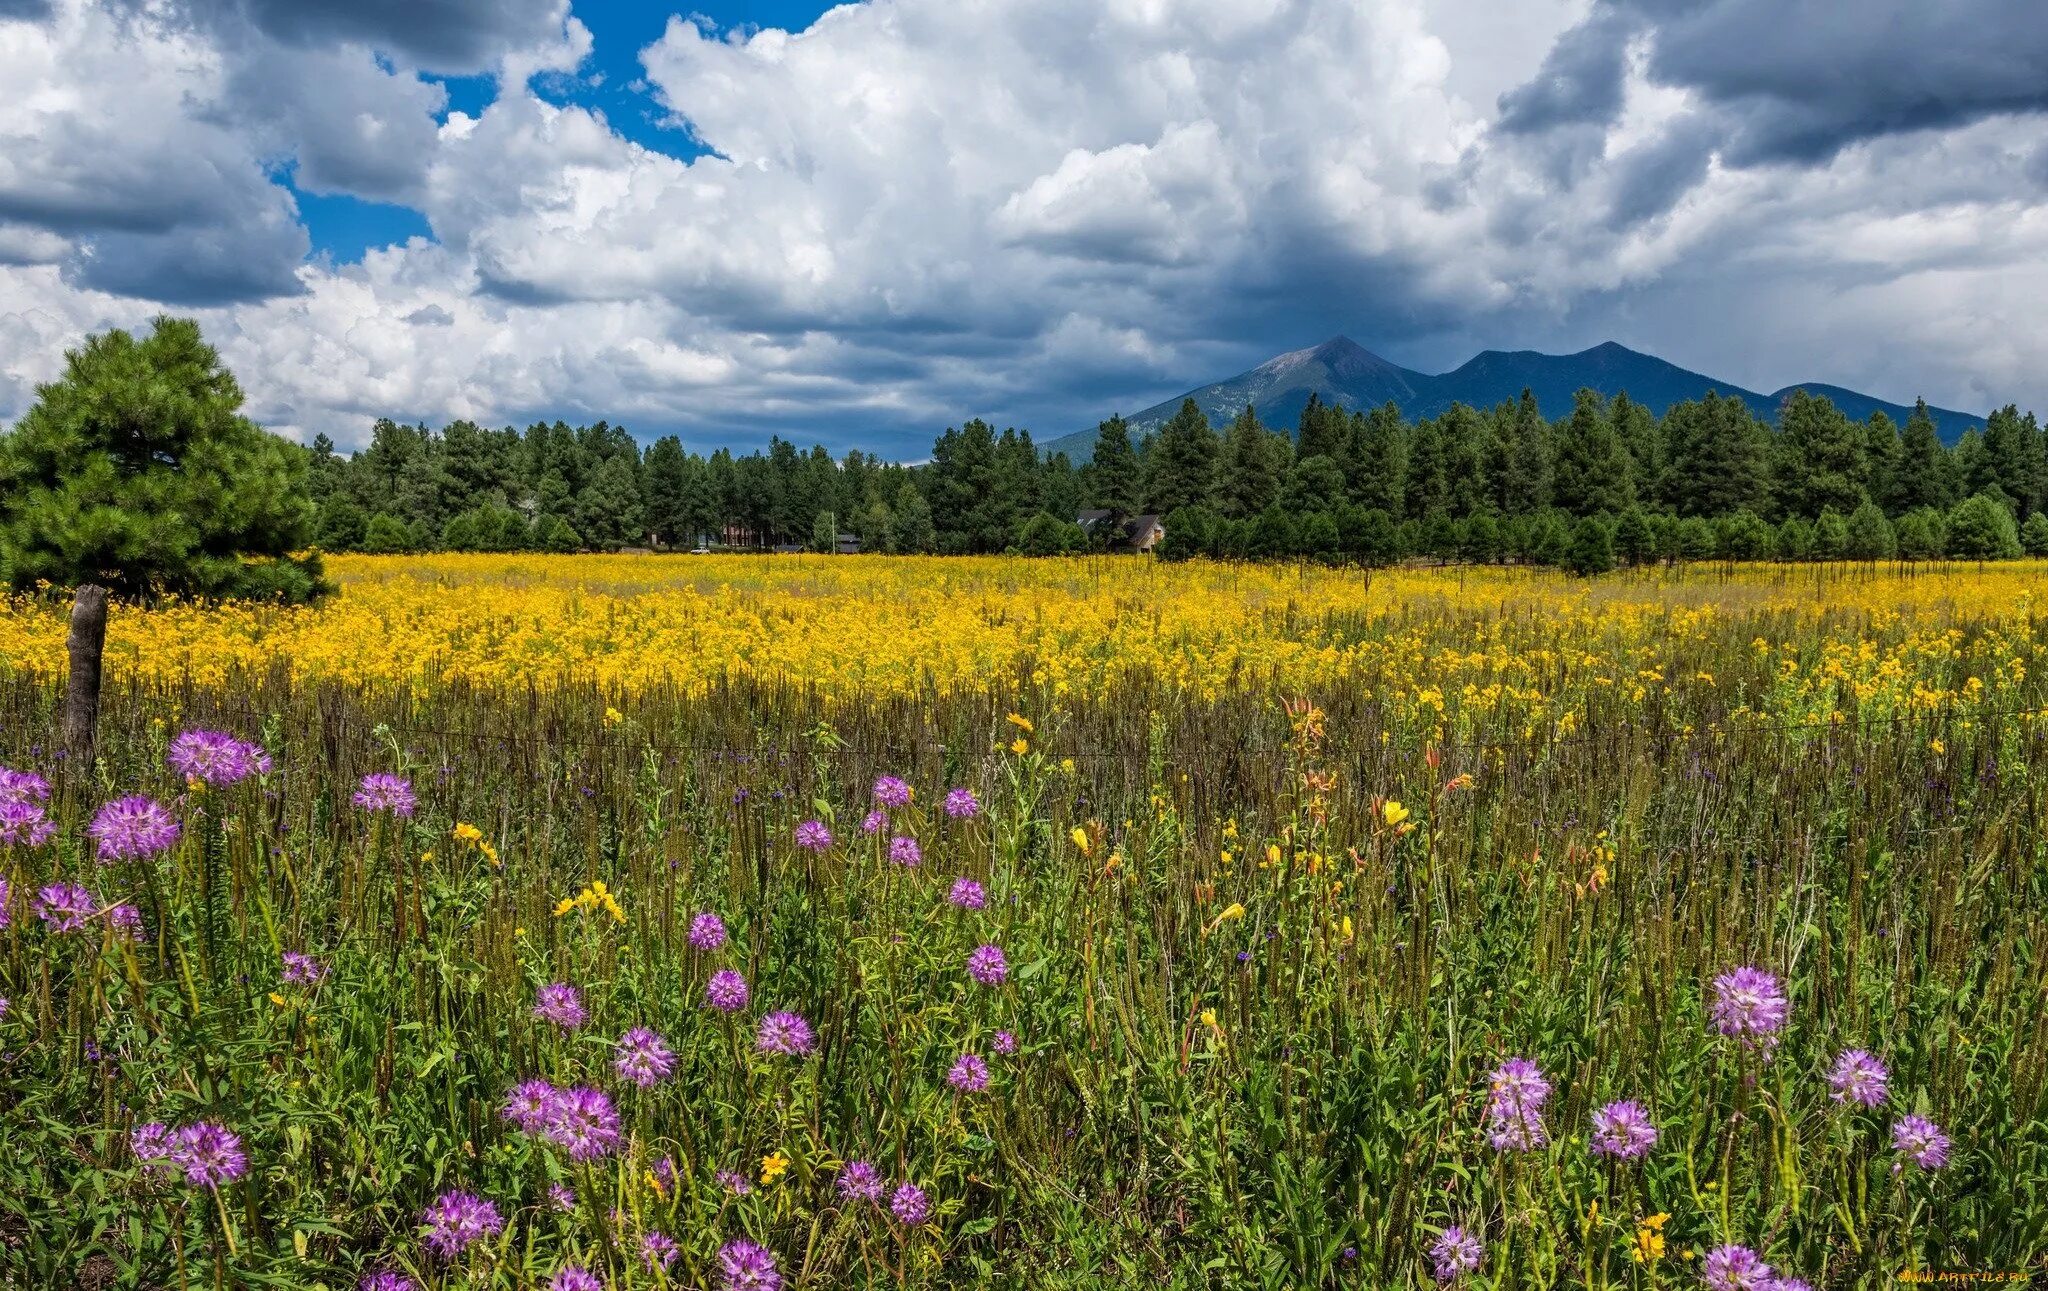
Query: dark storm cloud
[(454, 36), (1649, 180), (1797, 82), (1580, 81), (196, 267)]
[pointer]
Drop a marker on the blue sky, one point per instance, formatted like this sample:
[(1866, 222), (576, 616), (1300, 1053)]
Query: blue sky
[(889, 217)]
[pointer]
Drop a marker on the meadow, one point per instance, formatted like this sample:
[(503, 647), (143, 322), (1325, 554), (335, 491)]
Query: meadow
[(570, 922)]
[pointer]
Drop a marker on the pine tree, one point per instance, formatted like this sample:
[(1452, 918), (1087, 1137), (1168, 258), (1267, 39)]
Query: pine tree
[(1980, 528), (1249, 478), (1378, 481), (1529, 489), (1321, 431), (1114, 483), (666, 479), (135, 470), (1593, 468), (1925, 476), (1181, 465), (915, 532), (1820, 457), (1869, 534)]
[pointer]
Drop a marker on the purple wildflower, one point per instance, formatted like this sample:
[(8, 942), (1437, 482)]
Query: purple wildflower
[(301, 969), (215, 758), (1455, 1253), (25, 823), (784, 1033), (210, 1155), (1514, 1107), (573, 1278), (457, 1220), (1736, 1268), (387, 1280), (812, 836), (584, 1123), (1005, 1043), (65, 906), (872, 822), (892, 792), (987, 965), (967, 894), (382, 791), (726, 991), (531, 1106), (660, 1251), (969, 1074), (1922, 1140), (961, 804), (1791, 1284), (860, 1181), (743, 1266), (1749, 1005), (561, 1004), (126, 920), (1623, 1131), (910, 1205), (642, 1058), (562, 1198), (733, 1182), (1858, 1077), (22, 786), (903, 850), (707, 932), (152, 1144), (133, 829)]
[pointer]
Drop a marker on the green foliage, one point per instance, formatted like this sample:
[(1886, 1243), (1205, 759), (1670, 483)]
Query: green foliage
[(1981, 529), (1869, 534), (1592, 550), (1180, 468), (2034, 534), (825, 533), (135, 470), (387, 534), (1046, 534)]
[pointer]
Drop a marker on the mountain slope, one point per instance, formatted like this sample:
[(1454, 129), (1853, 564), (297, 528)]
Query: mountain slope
[(1351, 376)]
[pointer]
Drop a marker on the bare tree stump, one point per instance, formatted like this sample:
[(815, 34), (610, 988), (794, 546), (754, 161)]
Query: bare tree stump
[(87, 642)]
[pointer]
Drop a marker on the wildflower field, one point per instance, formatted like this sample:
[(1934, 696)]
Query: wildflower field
[(572, 922)]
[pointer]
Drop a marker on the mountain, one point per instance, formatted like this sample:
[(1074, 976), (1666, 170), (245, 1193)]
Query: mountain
[(1348, 374)]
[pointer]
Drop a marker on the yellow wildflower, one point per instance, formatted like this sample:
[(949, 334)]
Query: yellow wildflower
[(773, 1166)]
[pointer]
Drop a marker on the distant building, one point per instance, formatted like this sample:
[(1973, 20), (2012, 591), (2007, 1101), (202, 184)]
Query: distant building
[(1132, 533), (848, 545)]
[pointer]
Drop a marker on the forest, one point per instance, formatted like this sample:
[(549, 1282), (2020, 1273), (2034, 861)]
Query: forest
[(1607, 483)]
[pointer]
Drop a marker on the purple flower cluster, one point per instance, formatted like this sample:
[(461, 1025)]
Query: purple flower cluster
[(126, 920), (860, 1181), (707, 932), (207, 1155), (382, 791), (872, 822), (1514, 1106), (561, 1004), (733, 1182), (1454, 1254), (967, 894), (301, 969), (133, 829), (1750, 1006), (25, 823), (987, 965), (1922, 1140), (910, 1205), (892, 792), (660, 1251), (812, 836), (969, 1074), (1858, 1077), (386, 1280), (642, 1058), (580, 1120), (457, 1220), (1004, 1043), (726, 991), (903, 850), (1736, 1268), (22, 786), (743, 1266), (784, 1033), (215, 758), (1623, 1131), (65, 907), (572, 1277), (961, 804)]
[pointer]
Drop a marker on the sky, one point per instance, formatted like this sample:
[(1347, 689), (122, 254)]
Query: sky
[(858, 225)]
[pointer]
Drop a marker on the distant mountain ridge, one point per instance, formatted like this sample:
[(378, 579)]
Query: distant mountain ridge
[(1345, 373)]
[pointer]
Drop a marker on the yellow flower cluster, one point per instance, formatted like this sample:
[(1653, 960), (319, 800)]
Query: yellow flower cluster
[(471, 838), (595, 897), (1512, 649)]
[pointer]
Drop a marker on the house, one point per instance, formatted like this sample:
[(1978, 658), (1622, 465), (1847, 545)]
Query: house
[(1131, 534), (847, 545)]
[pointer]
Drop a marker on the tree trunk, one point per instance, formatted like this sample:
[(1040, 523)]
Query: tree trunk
[(87, 642)]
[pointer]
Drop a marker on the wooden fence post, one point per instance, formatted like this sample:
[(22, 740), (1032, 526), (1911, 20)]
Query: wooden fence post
[(87, 642)]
